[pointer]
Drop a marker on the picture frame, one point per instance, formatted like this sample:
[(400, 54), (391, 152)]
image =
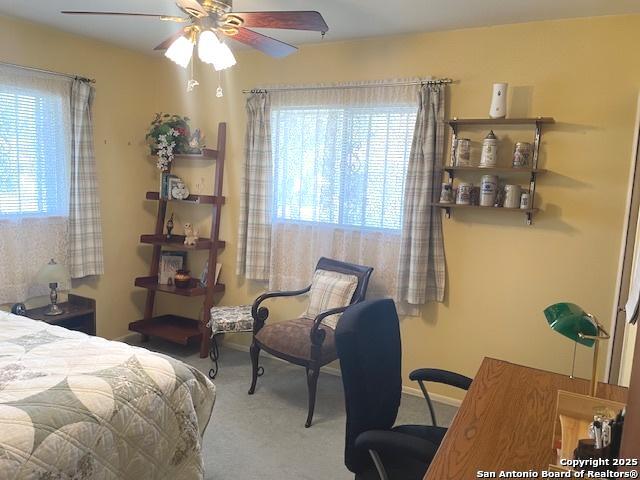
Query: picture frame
[(205, 272)]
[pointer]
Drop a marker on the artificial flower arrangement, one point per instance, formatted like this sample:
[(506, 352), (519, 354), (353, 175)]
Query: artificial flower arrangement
[(170, 135)]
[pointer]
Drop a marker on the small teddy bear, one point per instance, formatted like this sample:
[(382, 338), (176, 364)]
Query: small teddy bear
[(190, 235)]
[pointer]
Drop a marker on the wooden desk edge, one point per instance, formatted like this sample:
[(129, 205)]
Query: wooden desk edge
[(448, 445)]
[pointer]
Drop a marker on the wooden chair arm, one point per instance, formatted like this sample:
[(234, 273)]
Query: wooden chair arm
[(318, 334), (260, 314)]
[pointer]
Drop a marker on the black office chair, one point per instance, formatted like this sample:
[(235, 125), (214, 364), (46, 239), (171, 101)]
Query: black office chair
[(368, 344)]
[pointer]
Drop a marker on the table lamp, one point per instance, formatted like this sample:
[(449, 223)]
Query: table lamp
[(573, 322), (53, 273)]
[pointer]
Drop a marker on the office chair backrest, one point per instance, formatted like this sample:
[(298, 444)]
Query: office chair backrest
[(368, 343)]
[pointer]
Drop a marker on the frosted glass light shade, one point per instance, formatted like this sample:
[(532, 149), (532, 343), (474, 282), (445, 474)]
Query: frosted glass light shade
[(52, 272), (180, 52), (214, 52)]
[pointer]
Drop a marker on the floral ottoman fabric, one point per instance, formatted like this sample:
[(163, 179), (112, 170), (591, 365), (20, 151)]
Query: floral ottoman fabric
[(231, 319)]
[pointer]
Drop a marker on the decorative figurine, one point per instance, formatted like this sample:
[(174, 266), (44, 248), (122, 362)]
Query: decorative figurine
[(190, 235), (169, 226), (179, 191), (196, 141), (19, 309)]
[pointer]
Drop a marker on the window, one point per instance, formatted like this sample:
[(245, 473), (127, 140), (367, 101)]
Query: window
[(341, 166), (34, 154)]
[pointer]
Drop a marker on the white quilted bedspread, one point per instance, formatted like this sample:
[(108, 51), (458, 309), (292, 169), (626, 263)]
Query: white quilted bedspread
[(79, 407)]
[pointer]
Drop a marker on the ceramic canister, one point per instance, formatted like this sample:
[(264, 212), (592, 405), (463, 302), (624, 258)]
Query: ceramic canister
[(525, 200), (489, 157), (463, 152), (446, 194), (463, 194), (488, 190), (521, 154), (512, 196), (499, 101)]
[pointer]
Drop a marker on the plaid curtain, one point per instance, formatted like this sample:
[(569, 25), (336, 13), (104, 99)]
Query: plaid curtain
[(85, 230), (254, 235), (421, 270)]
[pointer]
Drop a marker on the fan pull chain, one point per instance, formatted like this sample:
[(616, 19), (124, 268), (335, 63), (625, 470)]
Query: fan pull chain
[(219, 92), (193, 83)]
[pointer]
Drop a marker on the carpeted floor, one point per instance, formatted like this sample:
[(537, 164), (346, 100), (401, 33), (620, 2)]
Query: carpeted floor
[(263, 436)]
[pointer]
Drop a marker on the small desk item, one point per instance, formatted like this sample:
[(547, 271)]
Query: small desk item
[(227, 320), (79, 313), (506, 421)]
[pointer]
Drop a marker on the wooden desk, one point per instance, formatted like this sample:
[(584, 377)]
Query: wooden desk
[(506, 421)]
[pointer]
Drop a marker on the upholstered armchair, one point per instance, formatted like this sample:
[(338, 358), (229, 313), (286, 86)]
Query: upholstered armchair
[(308, 341)]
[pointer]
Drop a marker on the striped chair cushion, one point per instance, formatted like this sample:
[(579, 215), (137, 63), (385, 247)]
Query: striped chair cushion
[(330, 290)]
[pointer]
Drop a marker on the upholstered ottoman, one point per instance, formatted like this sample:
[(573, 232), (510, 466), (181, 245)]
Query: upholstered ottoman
[(227, 320)]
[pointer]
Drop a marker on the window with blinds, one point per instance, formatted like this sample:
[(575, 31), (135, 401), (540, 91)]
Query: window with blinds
[(342, 166), (33, 154)]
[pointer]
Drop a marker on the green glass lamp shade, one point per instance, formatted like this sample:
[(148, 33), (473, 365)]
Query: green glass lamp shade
[(570, 320)]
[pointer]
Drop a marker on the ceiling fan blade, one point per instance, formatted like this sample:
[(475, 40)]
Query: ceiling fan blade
[(192, 7), (167, 43), (169, 18), (301, 20), (265, 44)]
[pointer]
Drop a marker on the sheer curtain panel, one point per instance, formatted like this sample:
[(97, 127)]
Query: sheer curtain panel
[(34, 178), (340, 154)]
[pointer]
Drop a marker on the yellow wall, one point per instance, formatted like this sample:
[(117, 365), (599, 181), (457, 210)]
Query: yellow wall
[(125, 99), (501, 273)]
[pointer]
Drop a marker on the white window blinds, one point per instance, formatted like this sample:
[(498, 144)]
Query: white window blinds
[(342, 165), (34, 153)]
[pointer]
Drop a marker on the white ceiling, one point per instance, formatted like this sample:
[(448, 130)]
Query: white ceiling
[(346, 18)]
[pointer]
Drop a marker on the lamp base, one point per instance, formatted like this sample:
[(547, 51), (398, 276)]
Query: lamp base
[(54, 310)]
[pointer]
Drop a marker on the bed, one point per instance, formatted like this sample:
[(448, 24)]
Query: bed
[(79, 407)]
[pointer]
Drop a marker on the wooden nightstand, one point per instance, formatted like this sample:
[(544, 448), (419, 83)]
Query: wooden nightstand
[(79, 314)]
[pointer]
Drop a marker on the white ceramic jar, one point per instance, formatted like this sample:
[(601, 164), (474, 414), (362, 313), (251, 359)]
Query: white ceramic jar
[(489, 157), (512, 196), (499, 101), (463, 194), (488, 190)]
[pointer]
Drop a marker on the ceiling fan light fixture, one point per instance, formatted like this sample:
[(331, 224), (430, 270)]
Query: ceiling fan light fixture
[(225, 59), (180, 51), (211, 50)]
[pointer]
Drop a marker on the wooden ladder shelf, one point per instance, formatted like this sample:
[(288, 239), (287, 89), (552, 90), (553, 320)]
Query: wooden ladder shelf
[(173, 327)]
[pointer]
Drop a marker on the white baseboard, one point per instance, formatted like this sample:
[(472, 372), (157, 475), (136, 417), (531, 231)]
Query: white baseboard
[(436, 397), (454, 402)]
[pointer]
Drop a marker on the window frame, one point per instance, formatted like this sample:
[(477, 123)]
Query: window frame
[(349, 113), (43, 104)]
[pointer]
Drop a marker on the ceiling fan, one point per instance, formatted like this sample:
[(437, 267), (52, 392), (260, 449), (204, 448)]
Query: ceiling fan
[(210, 21)]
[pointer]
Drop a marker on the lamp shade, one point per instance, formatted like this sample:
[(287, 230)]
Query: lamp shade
[(52, 272), (212, 50), (180, 51), (570, 320)]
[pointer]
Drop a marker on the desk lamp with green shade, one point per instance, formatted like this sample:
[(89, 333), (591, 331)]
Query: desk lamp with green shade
[(573, 322)]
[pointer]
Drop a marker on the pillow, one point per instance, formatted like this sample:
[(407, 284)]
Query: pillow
[(330, 290)]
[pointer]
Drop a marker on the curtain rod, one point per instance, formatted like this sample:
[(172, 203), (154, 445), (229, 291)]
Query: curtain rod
[(51, 72), (439, 81)]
